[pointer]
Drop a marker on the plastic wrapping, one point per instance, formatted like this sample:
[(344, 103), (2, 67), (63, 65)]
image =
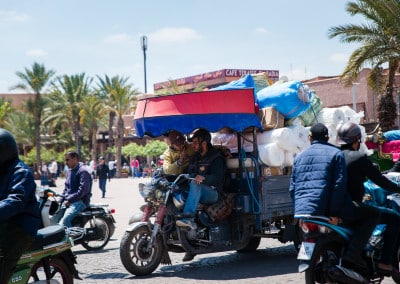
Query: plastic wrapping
[(271, 154), (331, 116), (291, 98), (309, 116), (284, 137)]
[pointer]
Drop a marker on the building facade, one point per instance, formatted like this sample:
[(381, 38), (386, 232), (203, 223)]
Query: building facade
[(212, 79)]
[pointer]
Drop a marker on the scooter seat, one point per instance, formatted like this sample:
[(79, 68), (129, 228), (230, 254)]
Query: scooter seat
[(48, 235)]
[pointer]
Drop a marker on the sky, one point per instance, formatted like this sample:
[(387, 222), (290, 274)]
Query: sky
[(184, 38)]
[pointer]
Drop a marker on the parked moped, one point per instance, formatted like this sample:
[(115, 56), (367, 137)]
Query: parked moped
[(92, 228)]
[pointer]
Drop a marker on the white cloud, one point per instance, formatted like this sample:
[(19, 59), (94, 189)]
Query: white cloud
[(172, 34), (13, 17), (36, 53), (117, 38), (260, 31), (339, 57)]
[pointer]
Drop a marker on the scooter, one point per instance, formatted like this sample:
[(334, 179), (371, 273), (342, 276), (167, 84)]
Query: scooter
[(50, 259), (92, 228), (320, 254)]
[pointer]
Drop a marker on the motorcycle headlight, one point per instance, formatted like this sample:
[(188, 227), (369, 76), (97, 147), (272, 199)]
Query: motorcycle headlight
[(160, 195), (145, 190)]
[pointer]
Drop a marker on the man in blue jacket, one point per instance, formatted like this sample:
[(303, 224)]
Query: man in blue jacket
[(318, 187), (19, 208), (77, 191), (318, 181)]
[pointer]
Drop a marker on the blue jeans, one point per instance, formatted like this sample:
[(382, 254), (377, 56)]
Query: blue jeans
[(199, 193), (102, 185), (134, 172), (69, 213)]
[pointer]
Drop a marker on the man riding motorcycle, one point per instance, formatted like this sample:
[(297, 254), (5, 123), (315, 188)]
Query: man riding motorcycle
[(19, 208), (208, 169), (359, 168)]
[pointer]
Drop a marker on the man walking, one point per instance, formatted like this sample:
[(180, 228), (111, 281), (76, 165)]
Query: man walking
[(103, 173)]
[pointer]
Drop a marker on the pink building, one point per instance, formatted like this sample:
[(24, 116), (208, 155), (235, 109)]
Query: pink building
[(333, 94)]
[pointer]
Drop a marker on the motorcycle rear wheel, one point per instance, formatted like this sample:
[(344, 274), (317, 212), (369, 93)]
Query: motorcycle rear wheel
[(323, 258), (134, 254), (111, 226), (251, 246), (102, 224), (58, 268)]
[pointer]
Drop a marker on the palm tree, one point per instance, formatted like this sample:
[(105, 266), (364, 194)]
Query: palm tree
[(120, 97), (380, 45), (93, 110), (23, 128), (35, 80), (172, 87), (5, 110), (66, 100)]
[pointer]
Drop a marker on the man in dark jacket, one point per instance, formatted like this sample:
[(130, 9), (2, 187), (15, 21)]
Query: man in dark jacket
[(103, 173), (19, 208), (207, 167), (77, 190), (359, 169)]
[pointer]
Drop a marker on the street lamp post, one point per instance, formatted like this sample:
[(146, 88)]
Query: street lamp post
[(144, 48), (354, 93)]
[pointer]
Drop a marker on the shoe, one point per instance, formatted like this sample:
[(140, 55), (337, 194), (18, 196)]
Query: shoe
[(396, 276), (186, 223), (355, 262), (345, 275), (188, 256), (388, 270)]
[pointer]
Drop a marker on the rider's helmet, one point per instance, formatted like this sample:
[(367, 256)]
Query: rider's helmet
[(202, 134), (348, 133), (8, 147)]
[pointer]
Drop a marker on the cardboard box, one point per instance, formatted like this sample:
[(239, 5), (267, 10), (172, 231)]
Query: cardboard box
[(276, 171), (270, 118), (272, 171)]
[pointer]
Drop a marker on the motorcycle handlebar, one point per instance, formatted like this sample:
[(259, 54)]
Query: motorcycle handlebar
[(186, 176)]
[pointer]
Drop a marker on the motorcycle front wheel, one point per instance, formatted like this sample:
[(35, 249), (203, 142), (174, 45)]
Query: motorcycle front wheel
[(100, 225), (134, 252), (59, 271), (323, 258)]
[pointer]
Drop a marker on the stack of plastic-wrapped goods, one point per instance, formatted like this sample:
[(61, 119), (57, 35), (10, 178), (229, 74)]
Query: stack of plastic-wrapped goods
[(287, 110)]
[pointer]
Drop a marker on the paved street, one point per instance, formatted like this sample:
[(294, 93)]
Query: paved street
[(273, 262)]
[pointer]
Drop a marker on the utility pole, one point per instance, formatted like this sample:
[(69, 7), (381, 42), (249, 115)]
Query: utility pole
[(144, 48)]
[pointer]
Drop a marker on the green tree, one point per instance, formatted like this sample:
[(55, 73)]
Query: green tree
[(35, 80), (5, 110), (22, 126), (92, 114), (66, 100), (155, 148), (120, 97), (172, 87), (133, 150), (379, 39)]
